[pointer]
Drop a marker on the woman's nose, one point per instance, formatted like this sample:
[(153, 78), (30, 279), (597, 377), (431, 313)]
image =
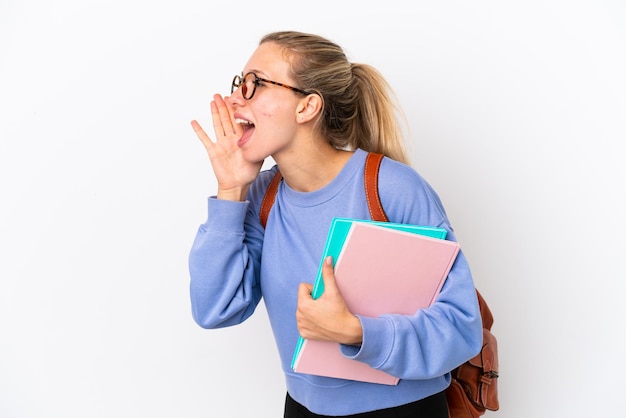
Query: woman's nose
[(236, 97)]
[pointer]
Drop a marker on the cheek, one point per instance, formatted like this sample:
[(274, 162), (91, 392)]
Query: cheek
[(277, 125), (275, 119), (267, 115), (271, 111), (275, 108)]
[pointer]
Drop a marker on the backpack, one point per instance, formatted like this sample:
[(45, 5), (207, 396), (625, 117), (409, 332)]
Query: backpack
[(474, 384)]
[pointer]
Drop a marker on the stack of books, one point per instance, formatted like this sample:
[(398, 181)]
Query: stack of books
[(380, 268)]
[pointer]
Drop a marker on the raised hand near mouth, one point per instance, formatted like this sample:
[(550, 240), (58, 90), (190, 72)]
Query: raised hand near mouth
[(234, 174)]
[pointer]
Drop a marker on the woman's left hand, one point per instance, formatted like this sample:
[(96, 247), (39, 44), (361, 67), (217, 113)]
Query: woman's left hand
[(327, 318)]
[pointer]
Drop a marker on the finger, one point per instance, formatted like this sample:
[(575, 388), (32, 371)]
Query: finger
[(328, 275), (237, 129), (222, 116), (231, 108), (218, 127), (304, 290), (201, 134)]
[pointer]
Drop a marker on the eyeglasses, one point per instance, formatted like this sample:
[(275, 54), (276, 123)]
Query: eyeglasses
[(250, 81)]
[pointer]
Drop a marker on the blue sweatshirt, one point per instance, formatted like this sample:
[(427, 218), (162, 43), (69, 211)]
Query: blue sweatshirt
[(234, 262)]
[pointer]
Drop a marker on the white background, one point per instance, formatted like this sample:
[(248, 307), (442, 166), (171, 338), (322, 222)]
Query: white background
[(518, 119)]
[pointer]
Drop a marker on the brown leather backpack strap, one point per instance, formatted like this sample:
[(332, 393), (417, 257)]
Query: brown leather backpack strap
[(485, 312), (372, 165), (269, 198)]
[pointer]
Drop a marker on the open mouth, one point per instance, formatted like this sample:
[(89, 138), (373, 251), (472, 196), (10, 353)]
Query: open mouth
[(248, 130), (245, 124)]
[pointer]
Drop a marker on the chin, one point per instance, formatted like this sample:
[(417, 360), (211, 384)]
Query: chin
[(252, 156)]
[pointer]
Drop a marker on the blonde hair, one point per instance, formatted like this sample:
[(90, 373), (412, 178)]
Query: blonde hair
[(360, 109)]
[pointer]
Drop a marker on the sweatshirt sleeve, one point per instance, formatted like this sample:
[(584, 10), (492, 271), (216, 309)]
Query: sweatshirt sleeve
[(435, 340), (224, 266)]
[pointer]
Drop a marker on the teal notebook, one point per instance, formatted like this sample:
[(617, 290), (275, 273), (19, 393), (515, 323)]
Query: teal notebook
[(337, 234)]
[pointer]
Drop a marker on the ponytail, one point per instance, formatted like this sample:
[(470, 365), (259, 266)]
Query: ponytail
[(359, 110)]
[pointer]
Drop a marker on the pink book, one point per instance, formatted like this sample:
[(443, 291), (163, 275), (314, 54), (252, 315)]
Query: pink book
[(380, 270)]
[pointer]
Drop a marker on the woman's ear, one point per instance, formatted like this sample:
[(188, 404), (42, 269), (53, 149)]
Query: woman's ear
[(309, 108)]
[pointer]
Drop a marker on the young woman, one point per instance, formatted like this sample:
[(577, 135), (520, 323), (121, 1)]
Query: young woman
[(300, 101)]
